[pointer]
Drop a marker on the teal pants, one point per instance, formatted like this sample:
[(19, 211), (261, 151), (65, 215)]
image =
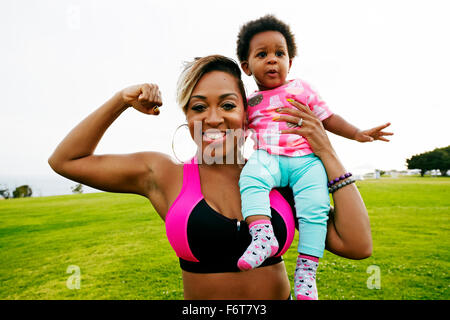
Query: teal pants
[(306, 176)]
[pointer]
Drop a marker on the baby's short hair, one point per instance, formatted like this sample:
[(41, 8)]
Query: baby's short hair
[(266, 23)]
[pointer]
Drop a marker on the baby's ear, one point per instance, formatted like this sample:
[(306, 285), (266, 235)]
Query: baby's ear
[(290, 64), (245, 68)]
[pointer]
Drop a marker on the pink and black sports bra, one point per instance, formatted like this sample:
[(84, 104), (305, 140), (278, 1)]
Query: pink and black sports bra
[(206, 241)]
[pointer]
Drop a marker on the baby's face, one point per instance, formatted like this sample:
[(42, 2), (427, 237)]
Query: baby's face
[(268, 60)]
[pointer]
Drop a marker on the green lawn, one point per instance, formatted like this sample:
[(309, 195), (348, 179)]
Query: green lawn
[(119, 245)]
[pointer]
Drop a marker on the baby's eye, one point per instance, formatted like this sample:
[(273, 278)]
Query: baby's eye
[(228, 106), (261, 54), (279, 53)]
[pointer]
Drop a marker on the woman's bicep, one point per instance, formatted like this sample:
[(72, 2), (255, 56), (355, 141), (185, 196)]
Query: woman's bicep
[(127, 173), (348, 232)]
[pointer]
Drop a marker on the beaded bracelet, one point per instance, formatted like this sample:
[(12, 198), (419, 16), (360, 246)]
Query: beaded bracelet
[(333, 189), (344, 176)]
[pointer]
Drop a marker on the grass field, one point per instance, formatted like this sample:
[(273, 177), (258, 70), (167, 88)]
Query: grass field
[(119, 246)]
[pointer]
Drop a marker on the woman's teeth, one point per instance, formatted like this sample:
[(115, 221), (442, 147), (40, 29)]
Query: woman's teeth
[(213, 136)]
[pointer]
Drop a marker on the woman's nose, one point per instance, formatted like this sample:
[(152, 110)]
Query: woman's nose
[(213, 118)]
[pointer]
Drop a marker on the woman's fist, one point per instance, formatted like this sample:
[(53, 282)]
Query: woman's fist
[(145, 98)]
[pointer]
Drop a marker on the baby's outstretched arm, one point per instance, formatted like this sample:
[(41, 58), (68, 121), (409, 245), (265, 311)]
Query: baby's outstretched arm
[(338, 125)]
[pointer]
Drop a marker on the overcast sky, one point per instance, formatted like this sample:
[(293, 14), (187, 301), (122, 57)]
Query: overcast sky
[(372, 61)]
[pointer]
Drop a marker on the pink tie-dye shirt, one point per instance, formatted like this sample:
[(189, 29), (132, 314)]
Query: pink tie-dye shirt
[(261, 110)]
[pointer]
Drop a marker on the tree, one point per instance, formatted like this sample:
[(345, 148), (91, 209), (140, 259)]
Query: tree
[(438, 159), (420, 162), (4, 192), (22, 192), (78, 188)]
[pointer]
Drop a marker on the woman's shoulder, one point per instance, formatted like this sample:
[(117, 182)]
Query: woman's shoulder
[(162, 168), (164, 180), (157, 160), (161, 162)]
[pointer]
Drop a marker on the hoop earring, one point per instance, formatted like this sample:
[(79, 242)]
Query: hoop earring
[(173, 141)]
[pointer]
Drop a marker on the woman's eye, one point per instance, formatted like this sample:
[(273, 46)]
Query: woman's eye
[(198, 108), (228, 106)]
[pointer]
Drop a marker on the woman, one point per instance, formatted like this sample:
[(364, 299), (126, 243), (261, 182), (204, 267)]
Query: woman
[(212, 96)]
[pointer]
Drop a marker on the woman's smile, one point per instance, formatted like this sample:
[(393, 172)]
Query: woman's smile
[(215, 136)]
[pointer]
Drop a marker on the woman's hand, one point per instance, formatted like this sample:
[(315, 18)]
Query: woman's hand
[(311, 129), (145, 98)]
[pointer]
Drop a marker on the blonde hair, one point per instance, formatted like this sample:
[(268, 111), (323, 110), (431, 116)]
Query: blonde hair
[(194, 70)]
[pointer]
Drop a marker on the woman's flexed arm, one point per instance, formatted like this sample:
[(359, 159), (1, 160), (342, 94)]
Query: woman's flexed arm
[(74, 157)]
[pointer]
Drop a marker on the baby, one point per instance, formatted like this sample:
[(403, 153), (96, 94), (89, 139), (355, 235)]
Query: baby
[(265, 49)]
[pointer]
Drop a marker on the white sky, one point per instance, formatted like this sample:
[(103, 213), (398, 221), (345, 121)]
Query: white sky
[(372, 61)]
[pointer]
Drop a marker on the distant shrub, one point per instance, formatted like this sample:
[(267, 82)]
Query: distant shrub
[(22, 192), (4, 192), (78, 188)]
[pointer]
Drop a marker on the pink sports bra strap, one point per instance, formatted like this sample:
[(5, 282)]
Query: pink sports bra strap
[(191, 177), (178, 215)]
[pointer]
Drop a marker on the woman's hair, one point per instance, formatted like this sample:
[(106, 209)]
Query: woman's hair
[(266, 23), (194, 70)]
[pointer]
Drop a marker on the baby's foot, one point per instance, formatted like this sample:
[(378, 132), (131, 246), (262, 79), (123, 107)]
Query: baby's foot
[(305, 278), (263, 245)]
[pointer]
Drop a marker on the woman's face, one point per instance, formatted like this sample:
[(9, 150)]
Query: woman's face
[(215, 115)]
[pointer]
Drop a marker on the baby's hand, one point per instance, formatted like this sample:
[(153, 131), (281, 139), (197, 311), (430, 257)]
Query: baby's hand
[(376, 133)]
